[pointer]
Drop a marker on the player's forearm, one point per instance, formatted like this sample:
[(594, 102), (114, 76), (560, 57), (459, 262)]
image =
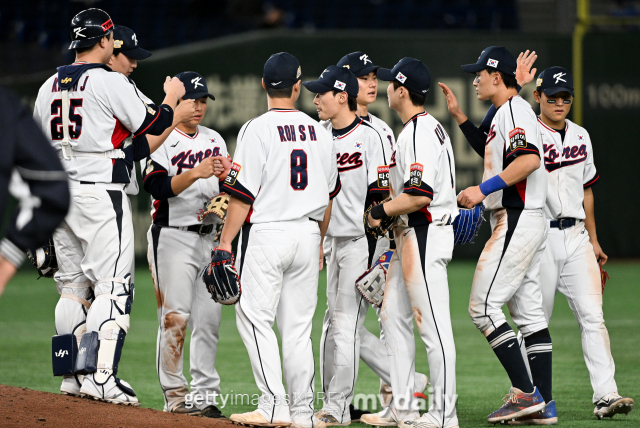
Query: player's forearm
[(155, 141), (520, 168), (236, 214), (7, 270), (589, 210), (180, 183), (406, 203)]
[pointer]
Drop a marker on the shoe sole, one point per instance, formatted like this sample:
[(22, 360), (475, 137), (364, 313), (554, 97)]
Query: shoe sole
[(521, 413), (381, 424), (104, 400), (623, 406), (549, 421), (262, 424), (71, 394)]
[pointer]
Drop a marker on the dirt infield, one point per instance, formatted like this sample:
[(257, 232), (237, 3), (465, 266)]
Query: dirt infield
[(21, 407)]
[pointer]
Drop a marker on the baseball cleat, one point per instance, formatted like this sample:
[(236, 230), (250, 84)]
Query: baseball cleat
[(517, 404), (71, 385), (356, 414), (611, 404), (255, 419), (182, 409), (113, 391), (383, 418), (317, 423), (548, 416), (329, 420), (421, 382), (212, 412), (421, 422)]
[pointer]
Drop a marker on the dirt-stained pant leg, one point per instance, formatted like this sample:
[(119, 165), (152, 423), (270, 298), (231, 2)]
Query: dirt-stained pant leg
[(425, 252), (397, 321), (502, 270)]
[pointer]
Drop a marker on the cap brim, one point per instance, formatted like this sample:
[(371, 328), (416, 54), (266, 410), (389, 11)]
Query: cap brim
[(197, 95), (317, 87), (136, 53), (366, 70), (556, 90), (385, 74), (472, 68)]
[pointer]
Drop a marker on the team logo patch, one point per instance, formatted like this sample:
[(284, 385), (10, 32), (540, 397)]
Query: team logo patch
[(580, 137), (299, 72), (340, 85), (66, 80), (149, 167), (401, 77), (358, 145), (415, 174), (493, 63), (78, 32), (151, 111), (559, 77), (539, 81), (107, 25), (365, 58), (117, 44), (383, 176), (196, 82), (135, 39), (233, 174), (346, 66), (517, 139)]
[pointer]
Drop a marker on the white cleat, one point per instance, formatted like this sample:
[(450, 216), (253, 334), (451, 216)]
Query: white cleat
[(317, 423), (611, 404), (71, 385), (383, 418), (422, 422), (421, 382), (113, 391), (255, 419)]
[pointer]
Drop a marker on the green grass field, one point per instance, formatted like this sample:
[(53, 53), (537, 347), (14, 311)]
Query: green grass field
[(27, 324)]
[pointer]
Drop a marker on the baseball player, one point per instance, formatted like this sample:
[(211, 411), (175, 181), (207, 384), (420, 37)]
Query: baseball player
[(362, 154), (87, 111), (573, 253), (422, 172), (515, 187), (180, 178), (283, 176)]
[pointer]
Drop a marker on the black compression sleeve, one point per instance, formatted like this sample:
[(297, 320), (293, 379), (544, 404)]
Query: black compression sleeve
[(156, 123), (475, 137)]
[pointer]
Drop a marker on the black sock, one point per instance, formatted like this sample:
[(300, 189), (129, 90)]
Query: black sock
[(505, 345), (539, 353)]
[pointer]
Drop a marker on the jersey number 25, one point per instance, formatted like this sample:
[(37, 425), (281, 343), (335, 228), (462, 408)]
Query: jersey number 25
[(75, 120)]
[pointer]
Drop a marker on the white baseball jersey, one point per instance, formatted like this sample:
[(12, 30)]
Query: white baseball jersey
[(285, 166), (423, 164), (569, 163), (363, 163), (104, 110), (387, 132), (180, 153), (514, 131)]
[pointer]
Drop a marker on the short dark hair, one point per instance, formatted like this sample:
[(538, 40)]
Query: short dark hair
[(352, 103), (417, 100), (89, 48), (279, 93), (509, 81)]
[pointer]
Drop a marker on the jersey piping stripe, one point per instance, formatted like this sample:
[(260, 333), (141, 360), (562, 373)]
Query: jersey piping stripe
[(354, 128), (511, 110), (411, 189), (384, 157), (245, 128), (414, 118), (593, 181), (551, 129), (523, 150), (186, 135), (233, 190), (422, 235), (152, 122)]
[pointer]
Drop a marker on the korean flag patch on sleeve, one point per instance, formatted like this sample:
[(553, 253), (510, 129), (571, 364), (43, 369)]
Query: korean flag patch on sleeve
[(233, 174), (517, 139)]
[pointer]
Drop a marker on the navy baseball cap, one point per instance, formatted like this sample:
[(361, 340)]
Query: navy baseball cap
[(554, 80), (334, 77), (125, 41), (282, 70), (358, 63), (195, 85), (410, 73), (496, 58)]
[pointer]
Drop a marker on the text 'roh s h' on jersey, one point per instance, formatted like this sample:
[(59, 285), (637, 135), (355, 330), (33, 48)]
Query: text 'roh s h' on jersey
[(104, 109), (363, 156), (285, 166), (423, 164), (177, 155), (570, 168), (514, 131)]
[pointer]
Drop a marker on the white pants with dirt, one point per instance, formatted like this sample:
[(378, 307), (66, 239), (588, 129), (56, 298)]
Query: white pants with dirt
[(278, 267), (176, 259), (417, 288)]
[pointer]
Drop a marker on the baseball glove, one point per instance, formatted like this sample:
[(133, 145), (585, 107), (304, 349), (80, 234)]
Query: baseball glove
[(221, 278), (371, 283), (215, 209), (604, 276), (44, 259), (385, 225), (467, 225)]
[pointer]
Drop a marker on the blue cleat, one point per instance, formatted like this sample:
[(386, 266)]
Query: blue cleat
[(548, 416), (516, 405)]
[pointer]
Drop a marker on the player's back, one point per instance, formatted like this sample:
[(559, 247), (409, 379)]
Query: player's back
[(285, 166)]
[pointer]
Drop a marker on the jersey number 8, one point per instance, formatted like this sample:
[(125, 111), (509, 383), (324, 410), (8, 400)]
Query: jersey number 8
[(75, 120), (299, 179)]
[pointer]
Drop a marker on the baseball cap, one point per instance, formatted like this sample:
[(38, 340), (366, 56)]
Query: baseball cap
[(494, 57), (125, 41), (334, 77), (282, 70), (195, 85), (410, 73), (358, 63), (554, 80)]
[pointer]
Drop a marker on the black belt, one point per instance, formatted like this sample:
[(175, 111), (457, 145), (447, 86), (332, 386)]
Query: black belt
[(563, 223), (200, 229)]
